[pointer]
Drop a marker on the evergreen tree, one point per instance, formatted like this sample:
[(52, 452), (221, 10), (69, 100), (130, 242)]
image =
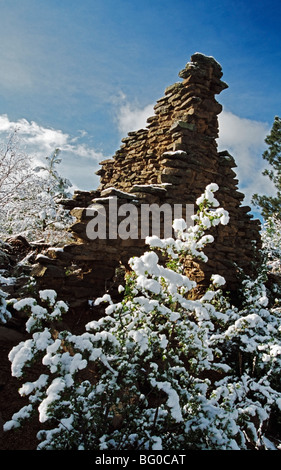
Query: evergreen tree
[(271, 205)]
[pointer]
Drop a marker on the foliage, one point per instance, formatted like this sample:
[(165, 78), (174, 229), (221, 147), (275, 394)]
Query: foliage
[(14, 169), (5, 313), (271, 240), (270, 205), (30, 197), (158, 370)]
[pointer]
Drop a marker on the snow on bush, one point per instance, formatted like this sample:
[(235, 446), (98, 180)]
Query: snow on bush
[(30, 197), (271, 239), (5, 314), (159, 370)]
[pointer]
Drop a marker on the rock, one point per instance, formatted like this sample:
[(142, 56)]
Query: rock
[(10, 336), (148, 188), (171, 161), (115, 192), (5, 259)]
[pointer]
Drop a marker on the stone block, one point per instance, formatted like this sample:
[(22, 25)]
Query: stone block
[(172, 160)]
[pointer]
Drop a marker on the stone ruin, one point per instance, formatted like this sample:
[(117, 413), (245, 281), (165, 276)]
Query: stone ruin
[(171, 161)]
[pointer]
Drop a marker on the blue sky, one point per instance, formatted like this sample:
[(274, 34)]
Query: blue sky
[(80, 75)]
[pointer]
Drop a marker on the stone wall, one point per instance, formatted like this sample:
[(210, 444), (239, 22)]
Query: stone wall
[(171, 161)]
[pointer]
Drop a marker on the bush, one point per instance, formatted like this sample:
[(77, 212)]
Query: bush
[(159, 370)]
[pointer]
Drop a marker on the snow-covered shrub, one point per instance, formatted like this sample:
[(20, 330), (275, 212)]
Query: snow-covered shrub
[(271, 240), (159, 370), (30, 197), (5, 314)]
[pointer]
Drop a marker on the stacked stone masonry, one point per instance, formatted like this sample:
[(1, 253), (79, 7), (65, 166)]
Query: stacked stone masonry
[(171, 161)]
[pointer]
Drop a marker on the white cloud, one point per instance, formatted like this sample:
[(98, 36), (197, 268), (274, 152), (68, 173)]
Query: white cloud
[(244, 140), (79, 160), (132, 117), (42, 140), (34, 135)]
